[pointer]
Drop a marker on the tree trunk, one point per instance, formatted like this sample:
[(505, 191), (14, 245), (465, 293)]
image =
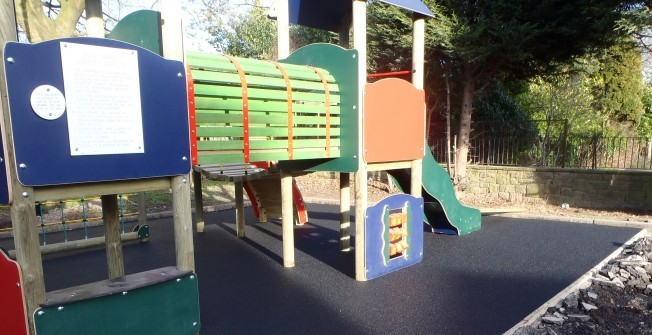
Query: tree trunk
[(462, 151), (39, 27)]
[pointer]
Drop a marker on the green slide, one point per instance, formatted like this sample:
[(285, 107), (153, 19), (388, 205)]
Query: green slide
[(443, 212)]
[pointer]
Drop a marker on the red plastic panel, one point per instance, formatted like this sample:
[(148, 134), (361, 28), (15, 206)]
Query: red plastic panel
[(302, 211), (12, 306), (394, 121), (192, 117)]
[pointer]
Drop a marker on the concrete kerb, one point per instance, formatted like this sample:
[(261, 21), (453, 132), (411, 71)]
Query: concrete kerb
[(602, 222), (584, 281)]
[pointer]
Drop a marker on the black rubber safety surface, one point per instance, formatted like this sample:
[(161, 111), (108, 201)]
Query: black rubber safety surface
[(481, 283)]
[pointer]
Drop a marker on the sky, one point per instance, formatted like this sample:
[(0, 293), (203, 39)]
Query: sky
[(195, 38)]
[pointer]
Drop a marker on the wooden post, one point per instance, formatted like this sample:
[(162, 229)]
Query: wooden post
[(114, 256), (172, 36), (287, 214), (418, 52), (283, 26), (23, 213), (360, 44), (199, 201), (345, 211), (110, 210), (239, 209), (142, 209), (185, 249), (94, 20)]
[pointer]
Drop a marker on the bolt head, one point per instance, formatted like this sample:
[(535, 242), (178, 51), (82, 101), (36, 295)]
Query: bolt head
[(25, 195), (60, 308), (10, 60), (40, 313), (178, 280), (22, 166)]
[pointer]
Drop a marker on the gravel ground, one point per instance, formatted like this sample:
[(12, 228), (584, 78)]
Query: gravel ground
[(617, 300)]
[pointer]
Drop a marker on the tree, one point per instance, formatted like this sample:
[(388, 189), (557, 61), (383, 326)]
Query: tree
[(619, 90), (46, 20), (484, 41)]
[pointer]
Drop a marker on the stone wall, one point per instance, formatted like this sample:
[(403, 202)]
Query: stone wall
[(597, 189)]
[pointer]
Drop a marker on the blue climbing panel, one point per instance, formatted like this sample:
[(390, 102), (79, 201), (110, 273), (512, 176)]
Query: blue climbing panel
[(394, 234)]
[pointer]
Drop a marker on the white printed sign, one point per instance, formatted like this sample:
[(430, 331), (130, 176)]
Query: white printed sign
[(102, 90), (48, 102)]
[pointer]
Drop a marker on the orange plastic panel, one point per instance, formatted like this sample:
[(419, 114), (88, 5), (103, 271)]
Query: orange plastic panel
[(12, 305), (394, 121)]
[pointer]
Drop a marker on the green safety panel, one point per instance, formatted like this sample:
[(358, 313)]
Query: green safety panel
[(342, 64), (220, 121), (161, 301), (142, 28)]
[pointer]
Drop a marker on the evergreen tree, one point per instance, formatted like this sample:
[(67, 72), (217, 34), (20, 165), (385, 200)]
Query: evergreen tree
[(484, 41)]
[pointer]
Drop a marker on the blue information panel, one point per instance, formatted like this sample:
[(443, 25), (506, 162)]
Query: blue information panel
[(394, 234), (88, 110), (5, 185)]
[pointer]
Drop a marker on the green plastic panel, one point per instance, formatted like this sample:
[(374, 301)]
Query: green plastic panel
[(130, 305), (142, 28), (342, 64)]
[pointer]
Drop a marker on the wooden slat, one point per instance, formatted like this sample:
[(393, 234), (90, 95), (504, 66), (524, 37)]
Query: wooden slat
[(219, 117), (266, 131), (256, 105), (215, 158), (208, 90), (264, 144), (218, 62), (258, 81)]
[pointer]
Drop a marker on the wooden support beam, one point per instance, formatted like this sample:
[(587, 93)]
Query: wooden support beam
[(172, 37), (360, 44), (287, 218), (283, 28), (94, 20), (418, 49), (418, 54), (71, 191), (172, 29), (142, 209), (183, 242), (114, 257), (79, 244), (345, 211), (23, 214), (239, 209), (199, 201), (389, 166), (416, 177)]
